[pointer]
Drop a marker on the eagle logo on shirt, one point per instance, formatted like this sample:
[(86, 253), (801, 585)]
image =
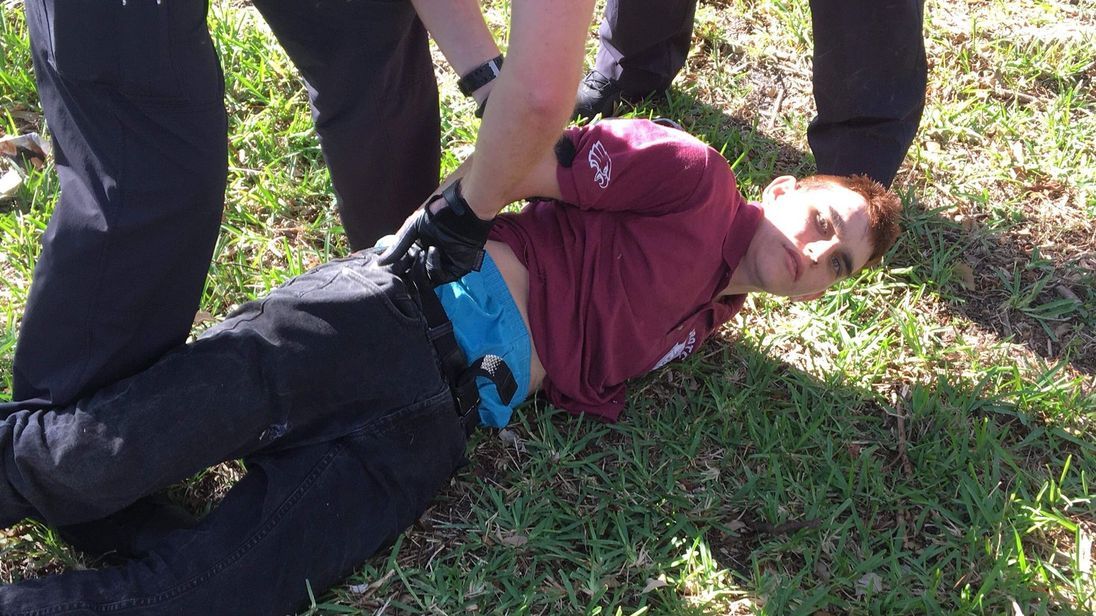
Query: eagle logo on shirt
[(681, 350), (601, 164)]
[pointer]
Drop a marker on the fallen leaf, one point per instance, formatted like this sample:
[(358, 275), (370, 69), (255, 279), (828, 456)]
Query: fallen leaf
[(10, 183), (363, 589), (965, 275), (653, 584), (202, 317), (511, 438), (26, 116), (1018, 153), (869, 583), (1067, 293), (27, 149), (513, 540)]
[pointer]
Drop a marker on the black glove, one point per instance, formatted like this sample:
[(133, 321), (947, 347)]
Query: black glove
[(452, 239)]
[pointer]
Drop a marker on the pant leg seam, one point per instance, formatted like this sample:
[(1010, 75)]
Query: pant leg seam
[(384, 425)]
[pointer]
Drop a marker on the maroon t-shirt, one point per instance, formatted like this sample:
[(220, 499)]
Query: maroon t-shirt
[(624, 273)]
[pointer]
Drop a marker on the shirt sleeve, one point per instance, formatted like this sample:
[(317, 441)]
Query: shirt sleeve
[(635, 166)]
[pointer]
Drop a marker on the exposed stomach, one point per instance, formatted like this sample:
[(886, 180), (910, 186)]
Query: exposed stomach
[(517, 281)]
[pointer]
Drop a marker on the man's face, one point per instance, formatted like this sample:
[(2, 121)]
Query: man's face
[(808, 238)]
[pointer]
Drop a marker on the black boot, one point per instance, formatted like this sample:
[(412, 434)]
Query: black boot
[(597, 94)]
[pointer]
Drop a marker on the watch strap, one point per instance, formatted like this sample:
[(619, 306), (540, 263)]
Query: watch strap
[(480, 76)]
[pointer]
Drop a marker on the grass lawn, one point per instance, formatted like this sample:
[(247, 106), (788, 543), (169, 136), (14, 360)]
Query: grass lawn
[(919, 441)]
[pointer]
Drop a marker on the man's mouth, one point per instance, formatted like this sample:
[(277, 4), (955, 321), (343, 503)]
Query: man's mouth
[(793, 263)]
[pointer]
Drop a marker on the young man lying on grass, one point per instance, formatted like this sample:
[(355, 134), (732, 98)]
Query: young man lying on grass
[(331, 391)]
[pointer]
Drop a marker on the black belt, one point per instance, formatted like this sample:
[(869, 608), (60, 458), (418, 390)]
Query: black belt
[(458, 373)]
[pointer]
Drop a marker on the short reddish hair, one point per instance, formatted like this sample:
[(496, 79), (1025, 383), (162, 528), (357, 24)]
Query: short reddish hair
[(884, 208)]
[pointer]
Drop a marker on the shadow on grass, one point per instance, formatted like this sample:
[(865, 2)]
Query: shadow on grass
[(735, 480), (984, 272), (999, 280)]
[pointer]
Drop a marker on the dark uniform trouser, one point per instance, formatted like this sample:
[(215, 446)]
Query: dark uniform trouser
[(133, 95), (869, 72)]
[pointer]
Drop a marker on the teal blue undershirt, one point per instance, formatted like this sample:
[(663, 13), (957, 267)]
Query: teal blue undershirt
[(487, 321)]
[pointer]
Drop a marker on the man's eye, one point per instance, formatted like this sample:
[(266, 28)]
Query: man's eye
[(835, 263), (823, 224)]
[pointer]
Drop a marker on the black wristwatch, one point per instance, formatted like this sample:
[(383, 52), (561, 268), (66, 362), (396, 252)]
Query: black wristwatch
[(480, 76)]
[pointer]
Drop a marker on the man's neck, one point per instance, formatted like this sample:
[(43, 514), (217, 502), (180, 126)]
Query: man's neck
[(742, 280)]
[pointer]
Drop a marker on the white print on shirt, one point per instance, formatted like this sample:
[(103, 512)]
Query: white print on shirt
[(601, 164), (681, 350)]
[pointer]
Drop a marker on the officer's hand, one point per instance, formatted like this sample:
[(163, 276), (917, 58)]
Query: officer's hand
[(452, 238)]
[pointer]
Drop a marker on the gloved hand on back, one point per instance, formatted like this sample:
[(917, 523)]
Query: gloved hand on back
[(452, 239)]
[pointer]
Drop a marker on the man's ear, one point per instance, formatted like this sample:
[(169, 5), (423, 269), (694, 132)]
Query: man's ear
[(808, 297), (777, 188)]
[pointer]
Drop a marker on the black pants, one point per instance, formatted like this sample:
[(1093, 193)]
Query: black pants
[(869, 72), (330, 390), (133, 94)]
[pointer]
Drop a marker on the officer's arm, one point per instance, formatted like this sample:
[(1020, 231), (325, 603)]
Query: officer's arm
[(458, 28), (541, 180), (531, 102)]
